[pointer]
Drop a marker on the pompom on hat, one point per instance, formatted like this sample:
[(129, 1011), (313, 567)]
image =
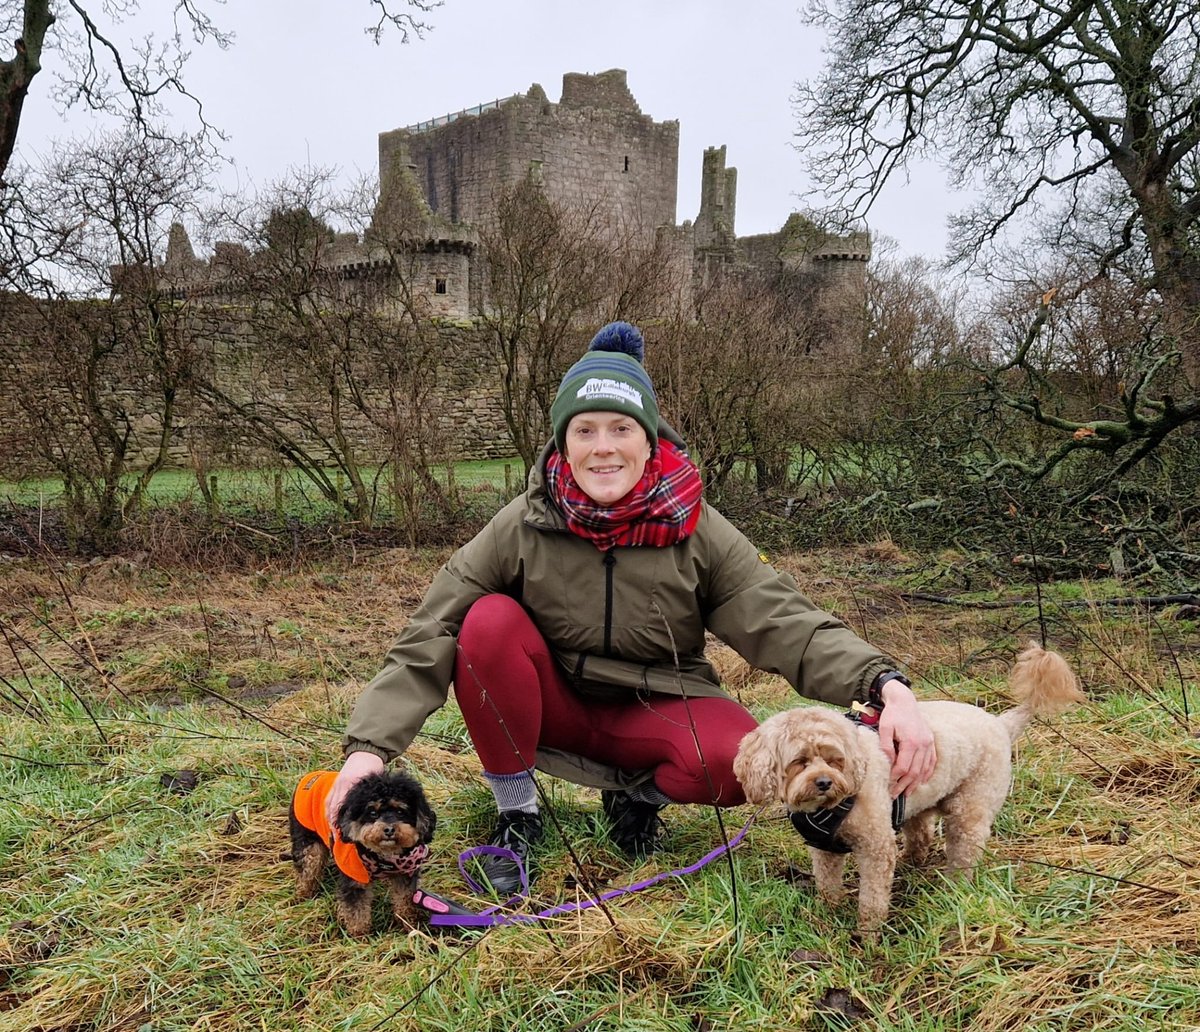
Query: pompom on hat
[(609, 378)]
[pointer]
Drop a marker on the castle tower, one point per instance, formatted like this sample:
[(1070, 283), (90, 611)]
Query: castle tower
[(718, 201), (832, 269), (837, 263), (595, 146), (432, 254), (715, 236)]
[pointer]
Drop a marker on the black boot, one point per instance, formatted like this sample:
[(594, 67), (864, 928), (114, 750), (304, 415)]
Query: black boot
[(515, 830), (633, 825)]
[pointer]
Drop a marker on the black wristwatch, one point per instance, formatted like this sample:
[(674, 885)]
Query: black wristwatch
[(875, 692)]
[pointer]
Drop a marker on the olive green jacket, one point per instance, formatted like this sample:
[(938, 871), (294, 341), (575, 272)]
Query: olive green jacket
[(632, 622)]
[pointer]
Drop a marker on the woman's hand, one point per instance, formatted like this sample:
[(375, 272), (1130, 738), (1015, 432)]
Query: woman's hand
[(358, 765), (905, 738)]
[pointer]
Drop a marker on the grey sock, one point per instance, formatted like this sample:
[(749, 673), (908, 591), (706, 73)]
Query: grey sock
[(513, 791), (648, 792)]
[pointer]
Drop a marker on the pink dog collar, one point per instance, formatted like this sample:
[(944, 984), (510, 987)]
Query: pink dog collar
[(408, 864)]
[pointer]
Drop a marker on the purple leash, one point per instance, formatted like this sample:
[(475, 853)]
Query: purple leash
[(443, 913)]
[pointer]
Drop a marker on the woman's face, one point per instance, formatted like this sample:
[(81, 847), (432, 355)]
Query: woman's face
[(607, 453)]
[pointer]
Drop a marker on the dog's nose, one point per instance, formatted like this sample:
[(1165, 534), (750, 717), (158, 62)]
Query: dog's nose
[(389, 830), (824, 784)]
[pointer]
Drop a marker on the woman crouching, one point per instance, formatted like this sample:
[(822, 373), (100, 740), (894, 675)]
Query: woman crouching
[(573, 627)]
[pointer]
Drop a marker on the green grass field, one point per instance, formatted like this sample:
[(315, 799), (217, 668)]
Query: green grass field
[(140, 898), (256, 488)]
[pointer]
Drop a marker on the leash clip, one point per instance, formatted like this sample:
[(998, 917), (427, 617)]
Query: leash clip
[(863, 714)]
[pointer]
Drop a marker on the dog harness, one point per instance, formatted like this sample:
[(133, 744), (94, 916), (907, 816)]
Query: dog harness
[(355, 862), (820, 828)]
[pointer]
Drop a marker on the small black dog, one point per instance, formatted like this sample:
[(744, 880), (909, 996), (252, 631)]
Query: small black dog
[(383, 832)]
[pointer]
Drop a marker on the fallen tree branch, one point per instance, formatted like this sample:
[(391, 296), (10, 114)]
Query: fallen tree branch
[(1146, 601)]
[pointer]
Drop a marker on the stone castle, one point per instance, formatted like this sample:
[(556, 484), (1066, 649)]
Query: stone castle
[(439, 181), (595, 147)]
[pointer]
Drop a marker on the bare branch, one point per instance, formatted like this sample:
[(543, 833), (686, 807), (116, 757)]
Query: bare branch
[(1029, 103), (403, 22)]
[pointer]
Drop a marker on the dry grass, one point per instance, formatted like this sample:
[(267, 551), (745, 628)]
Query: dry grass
[(130, 906)]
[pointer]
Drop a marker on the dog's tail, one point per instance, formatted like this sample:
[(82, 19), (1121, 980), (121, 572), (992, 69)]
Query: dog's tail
[(1043, 684)]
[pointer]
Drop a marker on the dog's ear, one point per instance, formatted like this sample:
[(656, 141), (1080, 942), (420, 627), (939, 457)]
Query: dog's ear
[(362, 793), (754, 766), (426, 819), (858, 759)]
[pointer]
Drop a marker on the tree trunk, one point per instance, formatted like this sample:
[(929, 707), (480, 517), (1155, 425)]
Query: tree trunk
[(1176, 266), (16, 75)]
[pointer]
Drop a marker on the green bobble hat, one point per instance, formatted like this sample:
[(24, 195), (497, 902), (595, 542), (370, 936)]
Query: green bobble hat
[(609, 378)]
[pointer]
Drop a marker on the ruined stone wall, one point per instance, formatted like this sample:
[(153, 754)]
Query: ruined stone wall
[(460, 166), (841, 290), (594, 145), (439, 280), (842, 279), (446, 277), (760, 253), (677, 245), (58, 364), (832, 268), (462, 417)]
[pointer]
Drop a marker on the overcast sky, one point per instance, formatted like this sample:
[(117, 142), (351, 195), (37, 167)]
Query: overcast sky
[(304, 84)]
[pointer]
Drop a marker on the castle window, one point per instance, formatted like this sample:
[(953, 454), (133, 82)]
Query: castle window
[(439, 286), (626, 162)]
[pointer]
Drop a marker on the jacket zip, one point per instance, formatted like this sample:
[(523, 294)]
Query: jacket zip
[(610, 561)]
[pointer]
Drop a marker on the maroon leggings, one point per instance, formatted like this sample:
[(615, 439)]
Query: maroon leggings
[(514, 697)]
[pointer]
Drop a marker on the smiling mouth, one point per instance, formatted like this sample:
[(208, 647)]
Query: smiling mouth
[(606, 469)]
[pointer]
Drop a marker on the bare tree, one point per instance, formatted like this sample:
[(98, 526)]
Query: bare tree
[(407, 404), (289, 388), (883, 405), (1078, 124), (100, 362), (338, 356), (732, 376), (545, 274), (642, 279), (103, 65), (17, 72), (1032, 381)]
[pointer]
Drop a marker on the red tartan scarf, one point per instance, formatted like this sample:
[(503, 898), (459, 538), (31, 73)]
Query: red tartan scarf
[(662, 509)]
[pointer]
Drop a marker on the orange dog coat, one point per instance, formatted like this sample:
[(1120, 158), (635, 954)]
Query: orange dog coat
[(309, 806)]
